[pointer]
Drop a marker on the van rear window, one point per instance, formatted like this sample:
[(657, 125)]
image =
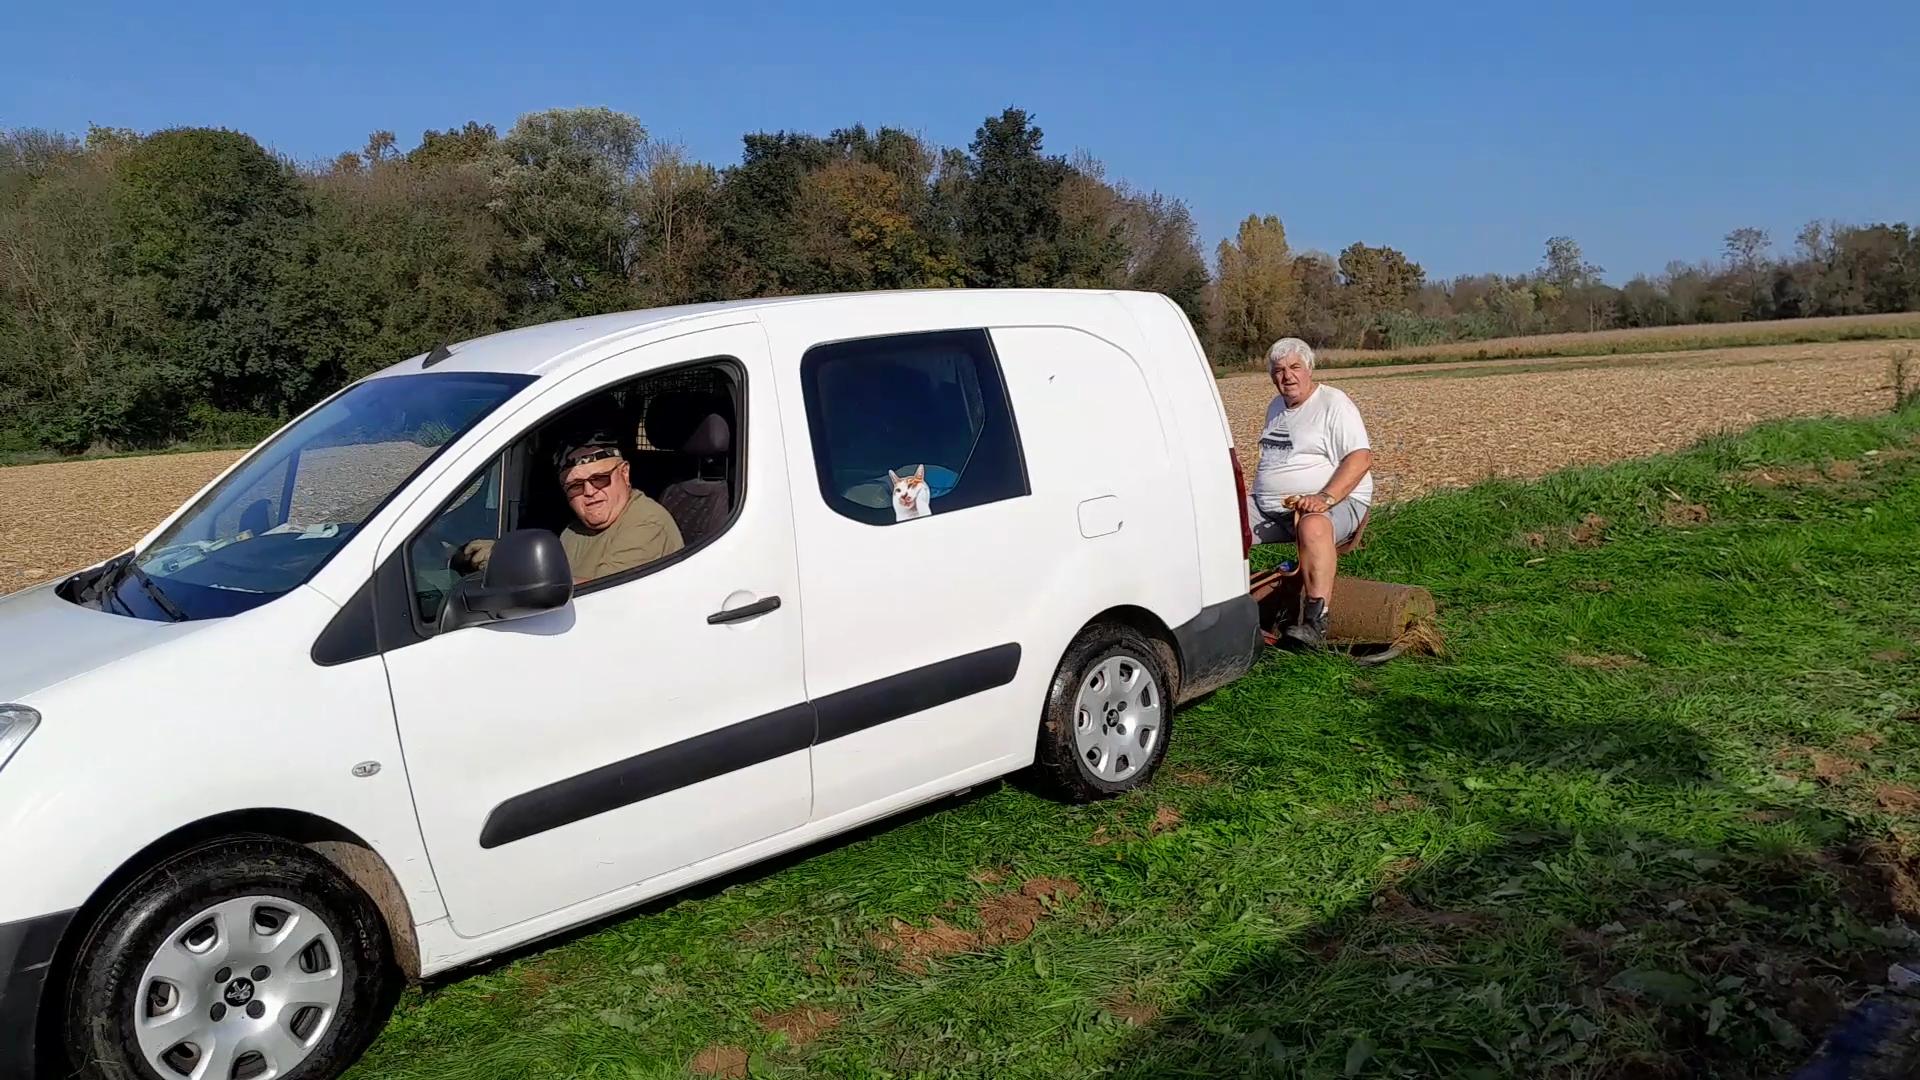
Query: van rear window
[(911, 426)]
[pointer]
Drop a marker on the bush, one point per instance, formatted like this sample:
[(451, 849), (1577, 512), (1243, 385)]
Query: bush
[(207, 424), (71, 428)]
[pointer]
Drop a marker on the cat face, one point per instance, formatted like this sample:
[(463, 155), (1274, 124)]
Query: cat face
[(910, 495)]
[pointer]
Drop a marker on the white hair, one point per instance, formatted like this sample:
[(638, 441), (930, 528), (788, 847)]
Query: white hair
[(1289, 346)]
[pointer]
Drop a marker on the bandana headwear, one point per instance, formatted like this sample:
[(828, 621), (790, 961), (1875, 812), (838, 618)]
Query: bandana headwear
[(598, 440)]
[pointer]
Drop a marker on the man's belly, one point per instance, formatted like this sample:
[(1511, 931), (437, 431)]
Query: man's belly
[(1293, 478)]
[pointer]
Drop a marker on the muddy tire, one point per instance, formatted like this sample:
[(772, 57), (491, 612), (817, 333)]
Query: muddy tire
[(1108, 715), (248, 955)]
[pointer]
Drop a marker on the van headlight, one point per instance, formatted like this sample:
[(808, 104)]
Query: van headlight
[(16, 723)]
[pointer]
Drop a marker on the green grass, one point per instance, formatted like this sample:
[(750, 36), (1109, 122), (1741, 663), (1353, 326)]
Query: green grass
[(1500, 862)]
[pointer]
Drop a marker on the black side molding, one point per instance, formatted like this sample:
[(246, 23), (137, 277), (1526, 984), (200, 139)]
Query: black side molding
[(748, 743), (644, 776), (858, 708)]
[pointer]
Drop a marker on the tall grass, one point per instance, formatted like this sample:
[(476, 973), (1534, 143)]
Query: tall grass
[(1906, 380)]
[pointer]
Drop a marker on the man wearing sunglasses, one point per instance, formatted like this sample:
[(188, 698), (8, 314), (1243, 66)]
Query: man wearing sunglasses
[(615, 528)]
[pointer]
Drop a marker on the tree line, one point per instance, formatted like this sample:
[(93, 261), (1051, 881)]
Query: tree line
[(1376, 298), (188, 284)]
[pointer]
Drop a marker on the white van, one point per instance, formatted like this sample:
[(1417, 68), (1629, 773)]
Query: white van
[(291, 747)]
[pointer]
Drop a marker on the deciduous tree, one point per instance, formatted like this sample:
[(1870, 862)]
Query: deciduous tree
[(1256, 288)]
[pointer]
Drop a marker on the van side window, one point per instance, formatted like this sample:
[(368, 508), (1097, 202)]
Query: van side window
[(911, 426)]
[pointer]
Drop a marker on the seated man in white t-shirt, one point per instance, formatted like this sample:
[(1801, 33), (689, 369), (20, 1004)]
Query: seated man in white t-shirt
[(1314, 459)]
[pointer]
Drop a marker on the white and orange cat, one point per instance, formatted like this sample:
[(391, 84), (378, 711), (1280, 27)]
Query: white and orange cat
[(910, 495)]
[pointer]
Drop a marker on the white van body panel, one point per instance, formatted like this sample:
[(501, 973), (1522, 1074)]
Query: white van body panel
[(1204, 440)]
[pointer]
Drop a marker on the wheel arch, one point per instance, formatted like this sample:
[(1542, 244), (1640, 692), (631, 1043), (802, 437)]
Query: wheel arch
[(1155, 630), (348, 852)]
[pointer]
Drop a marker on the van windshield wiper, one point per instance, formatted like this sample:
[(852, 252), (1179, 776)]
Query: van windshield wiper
[(172, 609)]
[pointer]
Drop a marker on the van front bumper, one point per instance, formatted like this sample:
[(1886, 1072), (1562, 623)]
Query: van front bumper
[(1217, 646), (26, 956)]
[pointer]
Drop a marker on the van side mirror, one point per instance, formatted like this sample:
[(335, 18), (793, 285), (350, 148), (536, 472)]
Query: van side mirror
[(526, 574)]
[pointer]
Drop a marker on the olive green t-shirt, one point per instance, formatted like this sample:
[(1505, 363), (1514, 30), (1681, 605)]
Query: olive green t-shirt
[(643, 532)]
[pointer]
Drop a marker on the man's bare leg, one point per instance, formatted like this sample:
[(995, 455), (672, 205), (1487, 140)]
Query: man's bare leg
[(1314, 538), (1317, 559)]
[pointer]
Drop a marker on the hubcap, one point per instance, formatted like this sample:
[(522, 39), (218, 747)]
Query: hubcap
[(1116, 724), (244, 990)]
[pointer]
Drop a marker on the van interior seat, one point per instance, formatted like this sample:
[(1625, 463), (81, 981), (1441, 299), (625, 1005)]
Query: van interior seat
[(693, 428)]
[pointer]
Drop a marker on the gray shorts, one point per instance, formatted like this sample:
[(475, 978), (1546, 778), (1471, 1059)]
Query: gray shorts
[(1277, 528)]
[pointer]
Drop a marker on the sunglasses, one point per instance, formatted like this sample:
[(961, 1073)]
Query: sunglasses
[(599, 480)]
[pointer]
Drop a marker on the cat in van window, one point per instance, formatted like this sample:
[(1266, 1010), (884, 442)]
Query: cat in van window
[(910, 495)]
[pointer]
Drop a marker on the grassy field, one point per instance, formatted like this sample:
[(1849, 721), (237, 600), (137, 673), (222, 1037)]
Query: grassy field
[(1651, 339), (1652, 814)]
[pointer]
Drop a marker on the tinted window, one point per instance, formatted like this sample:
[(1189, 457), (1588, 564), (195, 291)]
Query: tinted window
[(926, 409)]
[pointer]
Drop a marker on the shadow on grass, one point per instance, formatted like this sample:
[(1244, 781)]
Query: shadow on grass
[(1405, 985), (1580, 943)]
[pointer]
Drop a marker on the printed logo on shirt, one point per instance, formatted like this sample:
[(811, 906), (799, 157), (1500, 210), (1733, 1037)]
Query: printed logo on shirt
[(1278, 438)]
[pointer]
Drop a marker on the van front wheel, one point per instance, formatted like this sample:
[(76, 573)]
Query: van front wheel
[(246, 957), (1108, 714)]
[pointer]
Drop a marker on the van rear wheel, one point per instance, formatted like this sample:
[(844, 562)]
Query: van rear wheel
[(247, 957), (1108, 715)]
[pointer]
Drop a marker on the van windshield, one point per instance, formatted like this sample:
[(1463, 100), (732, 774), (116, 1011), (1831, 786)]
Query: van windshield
[(269, 526)]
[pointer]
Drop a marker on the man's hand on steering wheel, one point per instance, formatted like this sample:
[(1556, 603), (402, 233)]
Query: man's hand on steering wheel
[(472, 557)]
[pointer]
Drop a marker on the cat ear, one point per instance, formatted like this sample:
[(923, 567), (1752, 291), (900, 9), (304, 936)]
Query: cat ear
[(892, 478), (920, 472)]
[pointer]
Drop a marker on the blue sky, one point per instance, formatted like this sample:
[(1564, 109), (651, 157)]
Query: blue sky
[(1462, 134)]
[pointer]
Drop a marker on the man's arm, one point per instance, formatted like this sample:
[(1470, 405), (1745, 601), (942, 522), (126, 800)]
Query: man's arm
[(1349, 434), (1346, 477)]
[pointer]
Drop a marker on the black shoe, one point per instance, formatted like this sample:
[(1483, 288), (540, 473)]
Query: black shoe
[(1311, 630)]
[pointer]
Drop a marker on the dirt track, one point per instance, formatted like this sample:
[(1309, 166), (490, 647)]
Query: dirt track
[(1430, 428)]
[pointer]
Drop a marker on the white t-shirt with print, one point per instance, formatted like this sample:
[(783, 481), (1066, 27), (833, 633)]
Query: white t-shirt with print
[(1301, 447)]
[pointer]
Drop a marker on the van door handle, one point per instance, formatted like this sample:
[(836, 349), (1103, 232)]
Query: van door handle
[(744, 611)]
